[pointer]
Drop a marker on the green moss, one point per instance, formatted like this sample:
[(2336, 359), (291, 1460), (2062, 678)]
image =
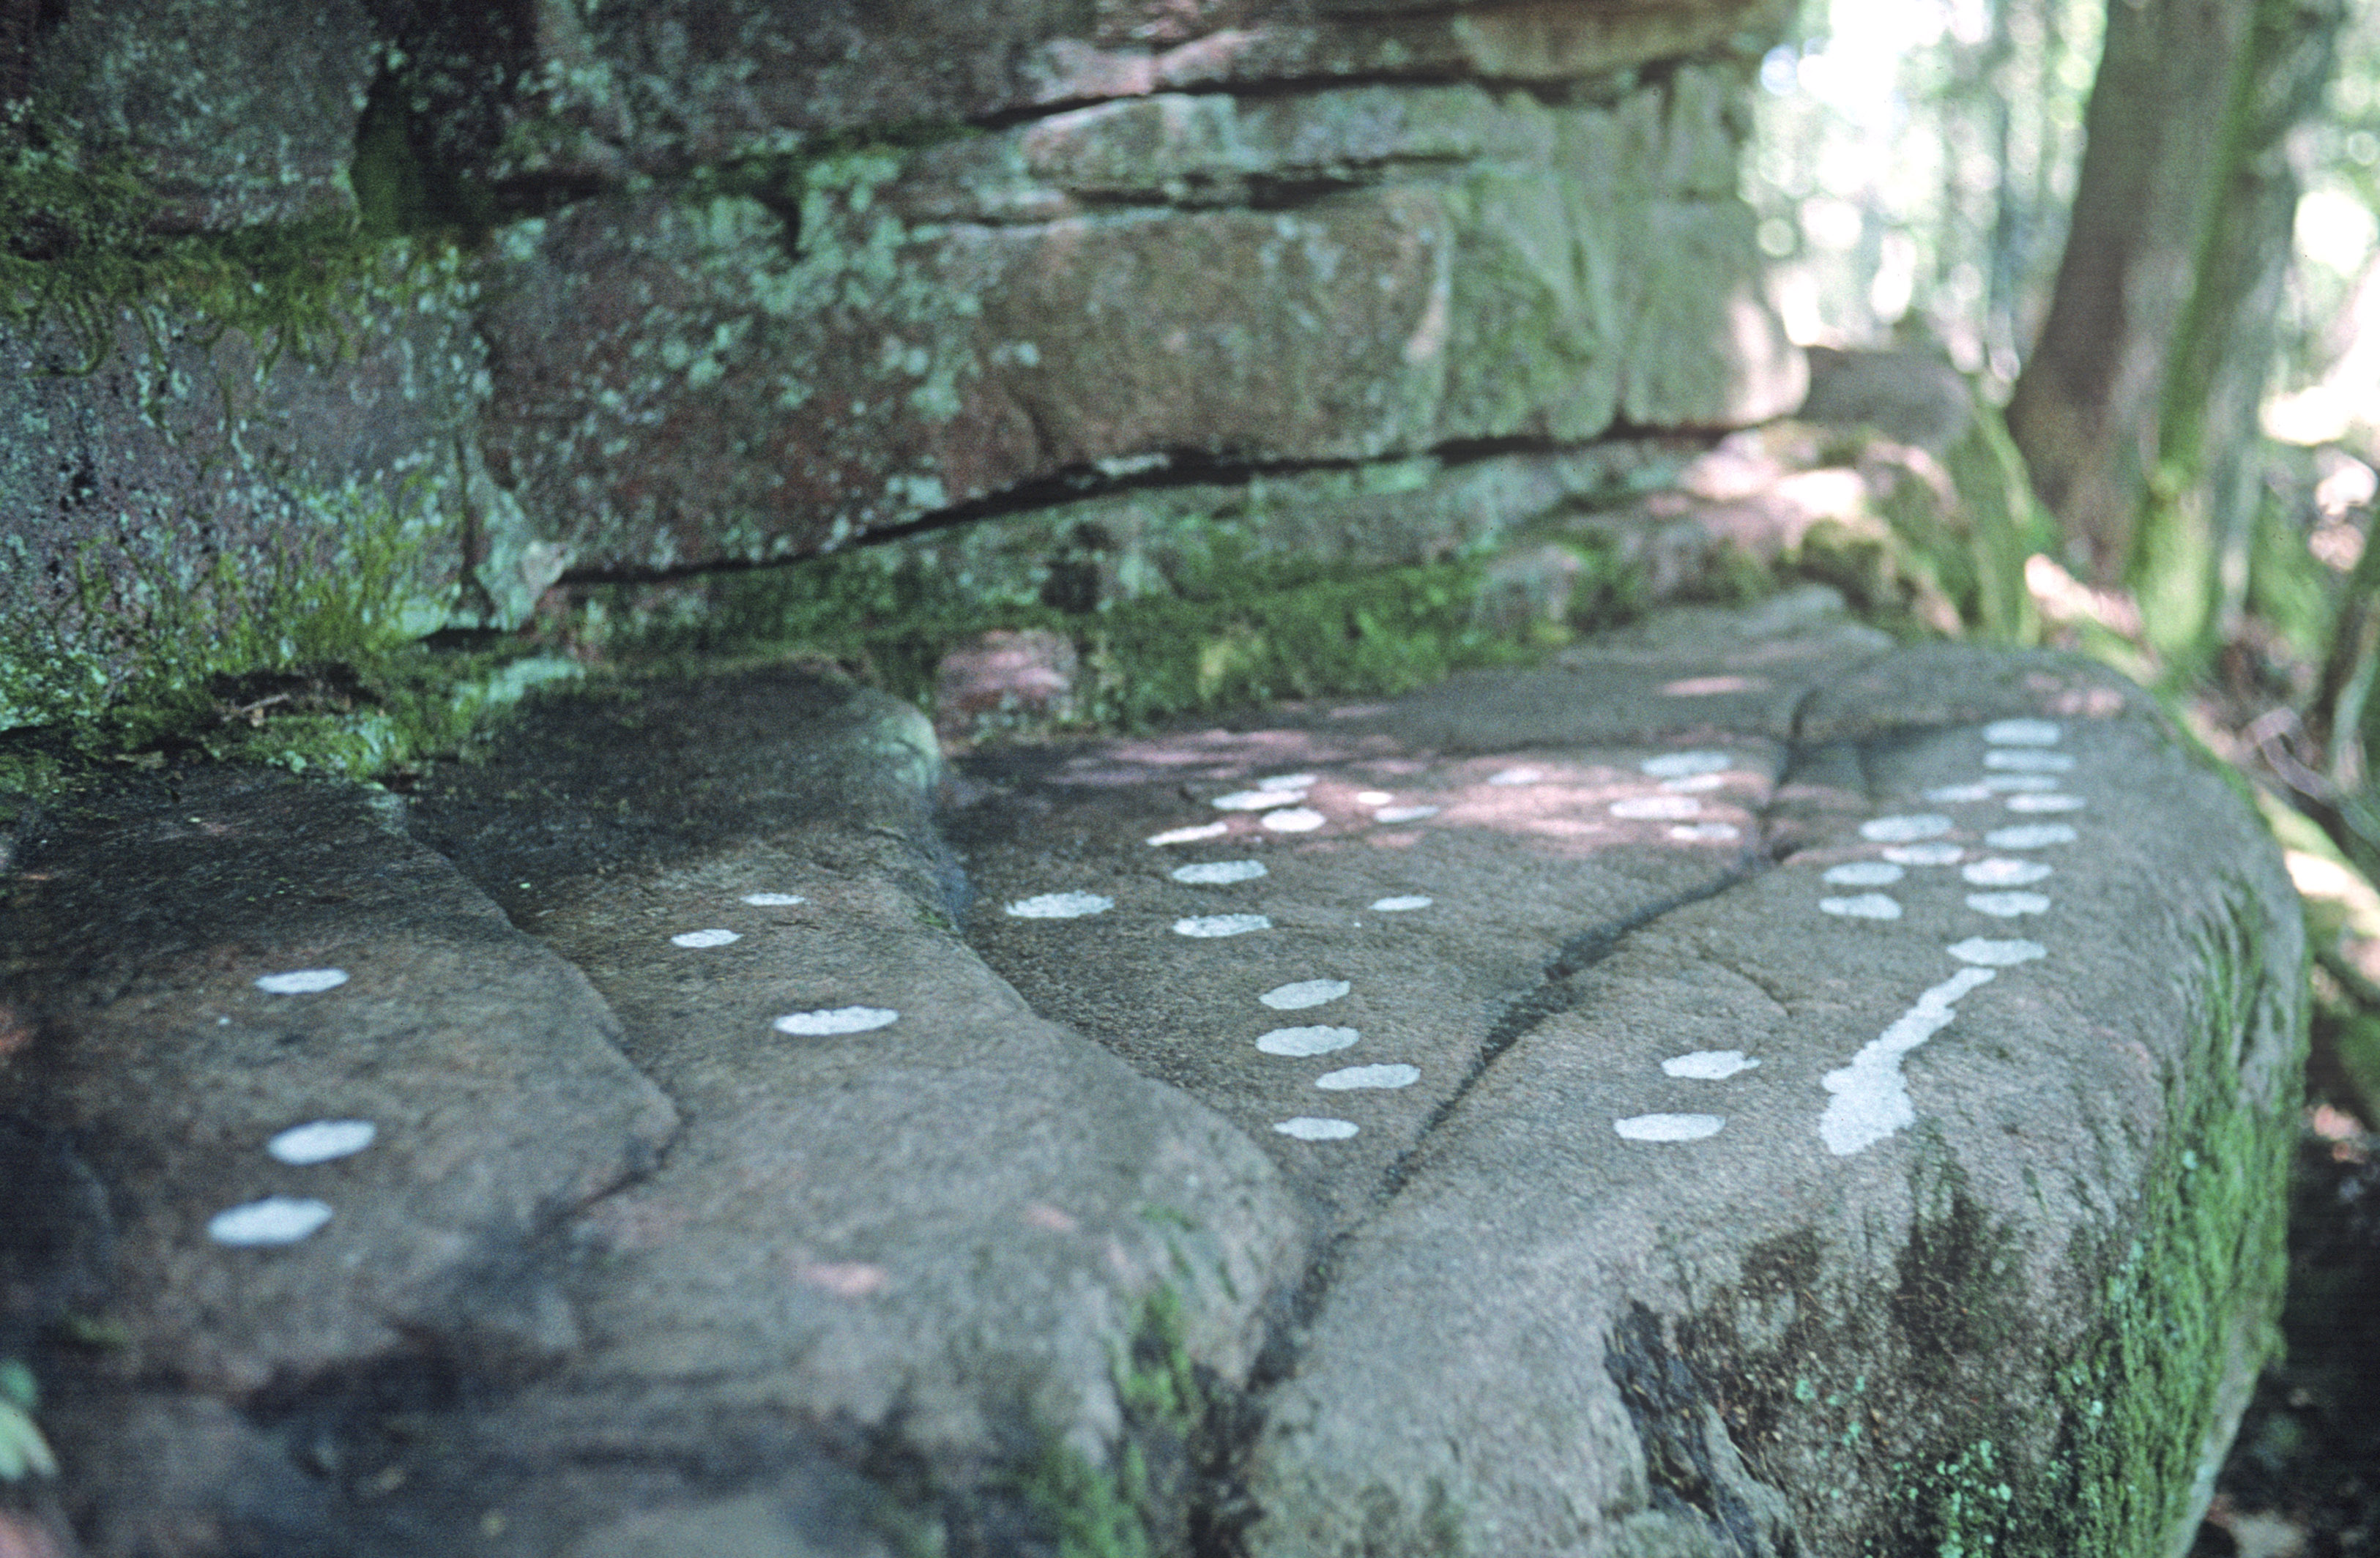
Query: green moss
[(1110, 1512), (23, 1451)]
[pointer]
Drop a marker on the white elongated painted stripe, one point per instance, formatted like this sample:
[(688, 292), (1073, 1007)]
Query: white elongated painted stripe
[(773, 900), (1353, 1078), (1404, 905), (2022, 733), (1863, 906), (836, 1020), (1256, 800), (1996, 954), (1685, 765), (1999, 871), (1865, 874), (1372, 798), (1668, 1128), (2002, 784), (1708, 1064), (1190, 834), (273, 1220), (1517, 776), (1693, 783), (322, 1141), (1905, 829), (1305, 993), (1405, 813), (2007, 906), (1925, 854), (1062, 905), (1661, 808), (1287, 781), (1216, 872), (1698, 832), (1221, 925), (1297, 820), (2031, 836), (1959, 794), (2030, 760), (2046, 802), (713, 938), (302, 982), (1302, 1042), (1307, 1128), (1871, 1097)]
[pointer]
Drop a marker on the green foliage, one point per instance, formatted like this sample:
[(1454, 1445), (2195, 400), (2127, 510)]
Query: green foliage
[(22, 1449)]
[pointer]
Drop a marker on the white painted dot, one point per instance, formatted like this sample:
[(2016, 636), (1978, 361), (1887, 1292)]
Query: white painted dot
[(1685, 765), (1287, 781), (2002, 784), (1353, 1078), (1517, 776), (1217, 873), (1299, 820), (2030, 760), (322, 1141), (2000, 872), (837, 1020), (1708, 1064), (1402, 905), (1372, 798), (273, 1220), (1256, 800), (1996, 954), (2046, 802), (2032, 836), (1693, 783), (1190, 834), (1668, 1128), (1221, 925), (1405, 813), (1958, 794), (1905, 829), (1305, 993), (2007, 906), (2022, 733), (302, 982), (1863, 906), (1661, 808), (1925, 854), (705, 939), (1306, 1127), (1060, 906), (1698, 832), (1865, 874), (1302, 1042), (773, 900)]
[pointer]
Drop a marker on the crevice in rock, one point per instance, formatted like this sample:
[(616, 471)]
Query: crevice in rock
[(1673, 1425)]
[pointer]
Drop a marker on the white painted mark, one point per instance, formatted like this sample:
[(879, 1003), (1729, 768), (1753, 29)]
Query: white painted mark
[(2032, 836), (1402, 905), (2046, 802), (1287, 781), (1256, 800), (1905, 829), (1865, 874), (302, 982), (1871, 1097), (2001, 872), (1299, 820), (1661, 808), (773, 900), (1353, 1078), (1517, 776), (1693, 784), (836, 1020), (1190, 834), (1863, 906), (273, 1220), (2007, 906), (1682, 765), (1405, 813), (1221, 925), (1996, 954), (1668, 1128), (710, 937), (1698, 832), (1708, 1064), (1304, 1042), (322, 1141), (2032, 760), (2022, 733), (1217, 873), (1305, 993), (1925, 854), (1306, 1127), (2003, 783), (1372, 798), (1959, 794), (1064, 906)]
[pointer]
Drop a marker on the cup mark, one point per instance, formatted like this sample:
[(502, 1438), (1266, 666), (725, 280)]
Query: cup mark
[(1217, 873), (1287, 781), (1305, 993), (1668, 1128), (1996, 954), (1190, 834), (1999, 784), (1210, 925), (1925, 854), (1863, 906), (1298, 820), (2046, 802), (1304, 1042), (773, 900), (1865, 874), (2030, 760), (1905, 829), (1405, 813), (1310, 1128), (1687, 765), (1353, 1078), (713, 938), (2031, 836), (1256, 800), (275, 1220), (1708, 1064), (2007, 906), (836, 1020), (1698, 832), (2000, 872), (1959, 794), (1402, 905), (322, 1141), (1656, 808), (302, 982), (2023, 733)]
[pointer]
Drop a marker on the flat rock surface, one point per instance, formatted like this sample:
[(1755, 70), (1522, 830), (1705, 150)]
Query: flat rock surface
[(1743, 1088)]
